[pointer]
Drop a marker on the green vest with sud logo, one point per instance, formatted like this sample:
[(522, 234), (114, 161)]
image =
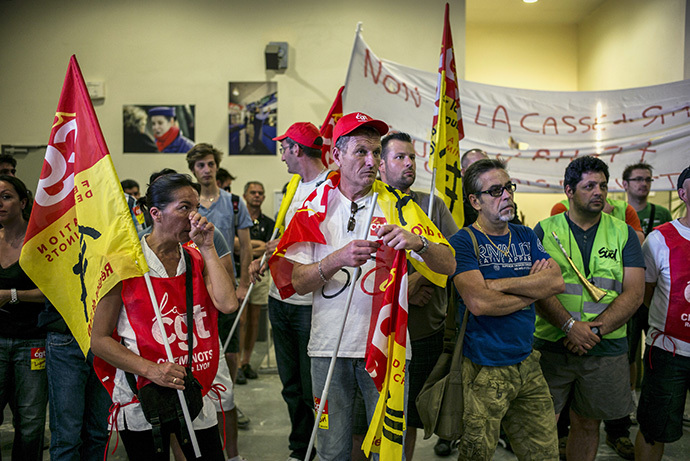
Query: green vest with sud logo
[(605, 271)]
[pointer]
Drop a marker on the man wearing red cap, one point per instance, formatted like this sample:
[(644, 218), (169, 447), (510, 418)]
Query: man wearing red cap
[(169, 139), (300, 148), (328, 269)]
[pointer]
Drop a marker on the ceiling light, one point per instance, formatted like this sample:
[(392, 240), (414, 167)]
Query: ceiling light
[(529, 1)]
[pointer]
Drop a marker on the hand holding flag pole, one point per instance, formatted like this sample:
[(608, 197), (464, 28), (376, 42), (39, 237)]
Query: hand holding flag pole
[(168, 351), (331, 366), (246, 298)]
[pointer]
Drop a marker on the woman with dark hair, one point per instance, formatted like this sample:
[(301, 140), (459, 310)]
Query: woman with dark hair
[(136, 346), (23, 381)]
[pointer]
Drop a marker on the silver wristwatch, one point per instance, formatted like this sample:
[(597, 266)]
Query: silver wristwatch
[(425, 245)]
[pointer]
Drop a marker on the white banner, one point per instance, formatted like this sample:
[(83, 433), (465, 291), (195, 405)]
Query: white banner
[(536, 132)]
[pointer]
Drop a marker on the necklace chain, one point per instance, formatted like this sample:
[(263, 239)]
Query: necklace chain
[(510, 239)]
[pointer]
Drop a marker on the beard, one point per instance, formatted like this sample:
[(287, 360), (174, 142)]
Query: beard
[(508, 215)]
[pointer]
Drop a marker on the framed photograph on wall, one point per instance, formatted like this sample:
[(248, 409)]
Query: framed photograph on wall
[(162, 128), (252, 118)]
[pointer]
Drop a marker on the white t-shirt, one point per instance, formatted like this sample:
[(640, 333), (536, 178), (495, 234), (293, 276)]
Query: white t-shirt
[(301, 193), (136, 421), (656, 254), (330, 300)]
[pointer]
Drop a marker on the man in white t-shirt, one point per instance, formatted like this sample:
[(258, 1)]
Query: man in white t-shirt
[(328, 269), (300, 148), (667, 358)]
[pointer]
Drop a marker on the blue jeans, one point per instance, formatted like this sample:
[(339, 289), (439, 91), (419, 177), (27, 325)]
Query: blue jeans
[(26, 391), (291, 325), (335, 443), (79, 404)]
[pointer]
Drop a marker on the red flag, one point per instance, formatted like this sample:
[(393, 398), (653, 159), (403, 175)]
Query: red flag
[(81, 240), (327, 128), (447, 130)]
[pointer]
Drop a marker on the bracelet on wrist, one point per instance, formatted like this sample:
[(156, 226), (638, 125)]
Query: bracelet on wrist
[(321, 274), (568, 325)]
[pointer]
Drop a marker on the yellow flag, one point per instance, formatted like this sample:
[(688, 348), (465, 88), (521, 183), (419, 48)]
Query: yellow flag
[(400, 209), (81, 239)]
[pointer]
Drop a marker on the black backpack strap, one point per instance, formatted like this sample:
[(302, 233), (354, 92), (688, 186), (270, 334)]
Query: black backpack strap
[(650, 224), (454, 300)]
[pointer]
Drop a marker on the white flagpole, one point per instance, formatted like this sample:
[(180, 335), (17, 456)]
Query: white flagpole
[(168, 351), (431, 193), (246, 298), (331, 367)]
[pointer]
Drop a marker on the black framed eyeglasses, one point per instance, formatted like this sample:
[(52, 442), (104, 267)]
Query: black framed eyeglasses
[(353, 211), (497, 191), (640, 179)]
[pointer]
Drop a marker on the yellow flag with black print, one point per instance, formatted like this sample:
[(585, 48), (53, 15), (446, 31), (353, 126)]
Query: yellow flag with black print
[(400, 209)]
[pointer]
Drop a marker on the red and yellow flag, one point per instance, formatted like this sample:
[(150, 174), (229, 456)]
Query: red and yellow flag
[(447, 130), (326, 130), (386, 358), (81, 240)]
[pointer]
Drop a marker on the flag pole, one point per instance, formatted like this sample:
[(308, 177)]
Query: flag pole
[(246, 298), (331, 366), (431, 193), (168, 351)]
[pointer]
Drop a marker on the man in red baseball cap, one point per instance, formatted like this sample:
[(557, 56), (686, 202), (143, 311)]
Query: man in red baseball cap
[(338, 211), (300, 149)]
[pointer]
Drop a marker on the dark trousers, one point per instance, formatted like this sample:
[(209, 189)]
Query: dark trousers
[(291, 327), (139, 445)]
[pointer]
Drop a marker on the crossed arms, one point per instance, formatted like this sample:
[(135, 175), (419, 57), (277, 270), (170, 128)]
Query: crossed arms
[(496, 297)]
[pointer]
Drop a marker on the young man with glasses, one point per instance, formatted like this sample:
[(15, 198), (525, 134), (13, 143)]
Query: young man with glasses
[(637, 182), (581, 333), (499, 283)]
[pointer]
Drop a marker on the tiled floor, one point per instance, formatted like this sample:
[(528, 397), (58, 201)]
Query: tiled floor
[(266, 437)]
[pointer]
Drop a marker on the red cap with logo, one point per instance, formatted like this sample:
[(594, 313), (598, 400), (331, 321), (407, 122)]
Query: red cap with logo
[(350, 122), (304, 133)]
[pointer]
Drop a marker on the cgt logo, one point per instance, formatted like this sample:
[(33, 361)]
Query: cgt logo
[(376, 222), (48, 193)]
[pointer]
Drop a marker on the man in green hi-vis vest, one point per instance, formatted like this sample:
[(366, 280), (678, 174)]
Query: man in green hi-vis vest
[(581, 333)]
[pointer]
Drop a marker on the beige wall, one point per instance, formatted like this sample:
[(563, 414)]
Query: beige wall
[(186, 52), (532, 57), (631, 43)]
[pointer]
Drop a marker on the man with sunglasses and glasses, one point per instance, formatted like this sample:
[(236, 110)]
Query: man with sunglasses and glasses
[(582, 335), (327, 270), (499, 283)]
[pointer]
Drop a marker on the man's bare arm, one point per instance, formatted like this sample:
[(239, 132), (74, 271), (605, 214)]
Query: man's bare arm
[(580, 338), (625, 305)]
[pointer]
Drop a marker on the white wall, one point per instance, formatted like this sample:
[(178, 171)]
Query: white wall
[(181, 52)]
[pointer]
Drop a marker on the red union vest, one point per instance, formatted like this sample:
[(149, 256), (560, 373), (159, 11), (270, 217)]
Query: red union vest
[(678, 314), (170, 293)]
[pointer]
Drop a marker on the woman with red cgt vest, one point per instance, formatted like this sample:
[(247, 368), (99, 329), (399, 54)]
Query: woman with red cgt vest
[(127, 337)]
